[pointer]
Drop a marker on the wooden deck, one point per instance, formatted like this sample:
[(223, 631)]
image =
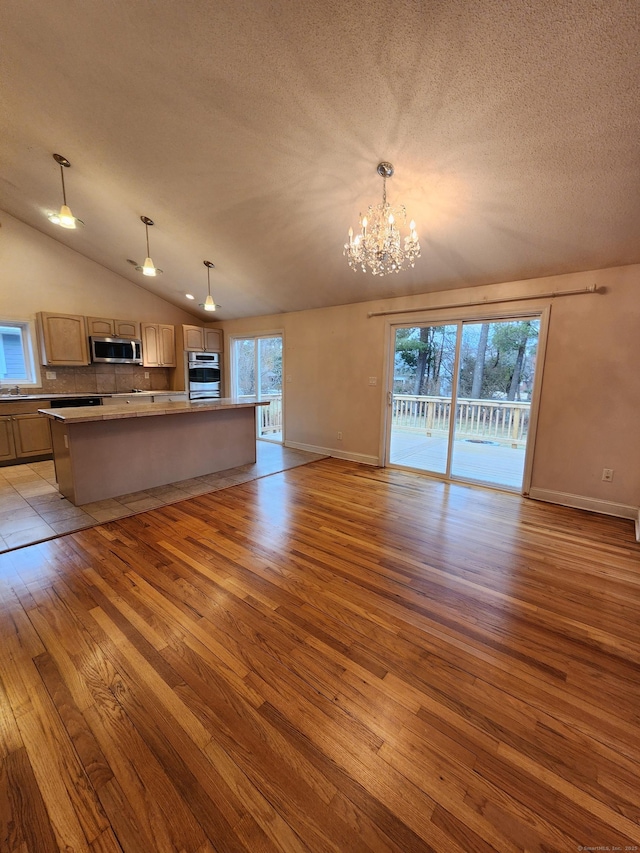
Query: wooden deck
[(496, 464), (332, 659)]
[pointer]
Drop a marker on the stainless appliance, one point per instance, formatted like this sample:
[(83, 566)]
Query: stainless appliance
[(204, 375), (74, 402), (116, 350)]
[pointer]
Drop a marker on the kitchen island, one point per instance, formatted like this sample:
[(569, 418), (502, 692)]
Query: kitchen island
[(105, 452)]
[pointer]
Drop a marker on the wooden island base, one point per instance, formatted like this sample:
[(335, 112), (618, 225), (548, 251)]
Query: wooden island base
[(104, 458)]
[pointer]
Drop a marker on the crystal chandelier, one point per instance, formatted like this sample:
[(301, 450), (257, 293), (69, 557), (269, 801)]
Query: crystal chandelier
[(379, 246)]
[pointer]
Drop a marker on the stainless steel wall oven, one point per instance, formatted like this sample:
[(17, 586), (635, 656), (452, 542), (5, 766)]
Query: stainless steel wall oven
[(205, 380)]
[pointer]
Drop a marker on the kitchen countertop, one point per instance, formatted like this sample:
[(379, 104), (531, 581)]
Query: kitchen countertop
[(13, 398), (86, 414)]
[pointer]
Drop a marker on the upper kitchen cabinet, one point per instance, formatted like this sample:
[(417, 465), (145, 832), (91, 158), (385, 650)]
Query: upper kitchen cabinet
[(199, 339), (63, 339), (158, 345), (101, 327)]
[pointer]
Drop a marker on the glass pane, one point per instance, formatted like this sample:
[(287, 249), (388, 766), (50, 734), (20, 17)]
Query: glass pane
[(12, 354), (270, 387), (245, 373), (422, 390), (497, 364)]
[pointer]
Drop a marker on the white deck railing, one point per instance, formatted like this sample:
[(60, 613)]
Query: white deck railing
[(492, 420), (269, 417)]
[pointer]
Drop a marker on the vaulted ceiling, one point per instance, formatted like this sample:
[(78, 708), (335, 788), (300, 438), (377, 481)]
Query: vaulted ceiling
[(250, 132)]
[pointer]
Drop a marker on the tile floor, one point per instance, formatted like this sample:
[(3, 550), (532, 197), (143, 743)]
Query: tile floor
[(32, 509)]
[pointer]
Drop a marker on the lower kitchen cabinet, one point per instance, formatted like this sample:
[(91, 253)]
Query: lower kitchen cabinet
[(32, 435), (7, 444), (24, 434)]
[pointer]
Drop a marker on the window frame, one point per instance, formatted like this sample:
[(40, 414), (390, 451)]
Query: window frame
[(28, 336)]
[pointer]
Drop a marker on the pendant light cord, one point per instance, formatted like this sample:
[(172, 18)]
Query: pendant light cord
[(64, 193), (147, 230)]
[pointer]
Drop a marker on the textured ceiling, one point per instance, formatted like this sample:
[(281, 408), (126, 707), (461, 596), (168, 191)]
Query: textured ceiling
[(250, 132)]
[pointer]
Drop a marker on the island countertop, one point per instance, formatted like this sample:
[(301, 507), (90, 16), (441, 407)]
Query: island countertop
[(87, 414), (100, 453)]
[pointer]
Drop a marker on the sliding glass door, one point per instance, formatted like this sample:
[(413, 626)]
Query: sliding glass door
[(461, 399), (256, 371), (425, 361)]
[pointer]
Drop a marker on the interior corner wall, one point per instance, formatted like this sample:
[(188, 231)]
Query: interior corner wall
[(39, 274), (590, 401)]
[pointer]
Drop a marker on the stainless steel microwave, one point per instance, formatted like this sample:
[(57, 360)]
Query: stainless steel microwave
[(116, 350)]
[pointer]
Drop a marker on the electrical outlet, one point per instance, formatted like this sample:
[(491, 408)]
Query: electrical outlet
[(288, 377), (50, 374), (339, 435), (607, 474), (146, 374), (373, 380)]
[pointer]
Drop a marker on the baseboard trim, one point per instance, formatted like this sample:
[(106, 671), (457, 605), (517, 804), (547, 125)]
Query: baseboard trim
[(363, 458), (590, 504)]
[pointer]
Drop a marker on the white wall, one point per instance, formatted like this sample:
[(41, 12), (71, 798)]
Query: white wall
[(590, 404), (39, 274)]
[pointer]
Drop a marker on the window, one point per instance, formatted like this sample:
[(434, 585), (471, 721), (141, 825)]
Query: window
[(17, 364), (257, 370)]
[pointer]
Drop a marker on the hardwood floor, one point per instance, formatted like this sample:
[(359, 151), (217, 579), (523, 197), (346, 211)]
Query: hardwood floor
[(333, 658)]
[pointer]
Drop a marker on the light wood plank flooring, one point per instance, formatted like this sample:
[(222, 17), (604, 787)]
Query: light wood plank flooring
[(332, 658), (32, 508)]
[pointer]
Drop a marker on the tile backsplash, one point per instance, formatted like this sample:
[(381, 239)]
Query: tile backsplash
[(104, 379)]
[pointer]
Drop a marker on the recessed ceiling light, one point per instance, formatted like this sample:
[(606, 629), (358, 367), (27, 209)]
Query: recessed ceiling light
[(189, 296)]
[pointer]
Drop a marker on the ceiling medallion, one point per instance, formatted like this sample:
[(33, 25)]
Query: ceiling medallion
[(379, 245)]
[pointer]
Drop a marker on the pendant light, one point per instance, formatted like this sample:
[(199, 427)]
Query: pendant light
[(65, 219), (148, 267), (209, 304)]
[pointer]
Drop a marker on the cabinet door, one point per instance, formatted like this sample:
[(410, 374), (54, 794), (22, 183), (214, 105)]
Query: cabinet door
[(126, 329), (32, 435), (167, 340), (193, 338), (7, 447), (212, 340), (64, 339), (100, 327), (150, 345)]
